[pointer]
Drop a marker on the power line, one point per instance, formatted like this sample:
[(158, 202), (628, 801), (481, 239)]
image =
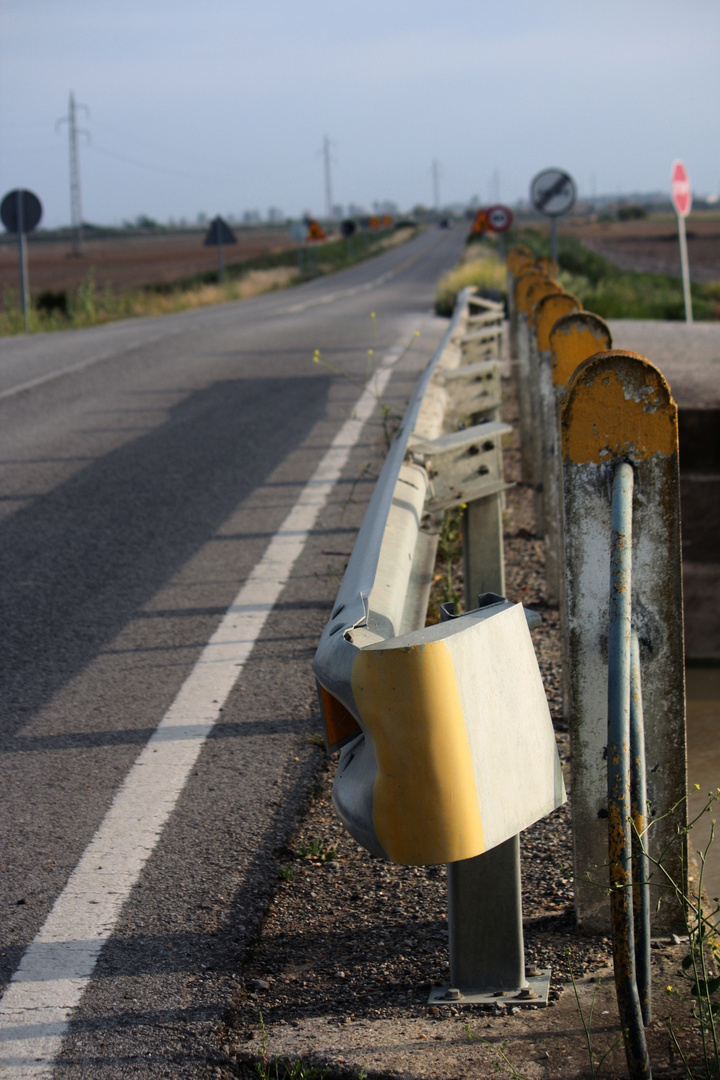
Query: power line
[(154, 168)]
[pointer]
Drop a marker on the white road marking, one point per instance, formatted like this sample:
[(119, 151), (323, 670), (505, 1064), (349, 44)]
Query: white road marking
[(57, 966)]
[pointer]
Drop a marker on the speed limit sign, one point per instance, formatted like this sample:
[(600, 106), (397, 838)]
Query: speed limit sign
[(499, 218)]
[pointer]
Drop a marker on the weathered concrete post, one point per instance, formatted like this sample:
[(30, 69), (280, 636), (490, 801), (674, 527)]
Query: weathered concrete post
[(519, 260), (535, 293), (522, 285), (619, 409), (547, 311)]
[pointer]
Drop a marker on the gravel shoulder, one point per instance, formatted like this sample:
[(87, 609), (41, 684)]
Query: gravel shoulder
[(339, 975)]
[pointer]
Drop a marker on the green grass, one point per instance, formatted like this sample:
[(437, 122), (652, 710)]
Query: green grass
[(601, 287)]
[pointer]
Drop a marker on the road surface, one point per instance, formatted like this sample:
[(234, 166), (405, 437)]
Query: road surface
[(179, 498)]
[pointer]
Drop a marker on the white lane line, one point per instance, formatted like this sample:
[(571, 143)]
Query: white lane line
[(56, 967)]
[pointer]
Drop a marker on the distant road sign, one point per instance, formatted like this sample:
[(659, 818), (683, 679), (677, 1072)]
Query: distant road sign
[(20, 211), (680, 188), (480, 223), (348, 227), (298, 232), (552, 192), (219, 233), (499, 218)]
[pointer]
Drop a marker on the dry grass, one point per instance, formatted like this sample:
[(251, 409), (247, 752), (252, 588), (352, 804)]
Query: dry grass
[(484, 270)]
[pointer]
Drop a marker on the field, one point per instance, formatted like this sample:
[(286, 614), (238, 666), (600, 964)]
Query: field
[(129, 260), (650, 245)]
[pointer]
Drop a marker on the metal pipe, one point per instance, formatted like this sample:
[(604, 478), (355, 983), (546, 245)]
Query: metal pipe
[(638, 803), (618, 771)]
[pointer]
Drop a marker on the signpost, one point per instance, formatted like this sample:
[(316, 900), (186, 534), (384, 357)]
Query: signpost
[(219, 233), (682, 201), (499, 220), (553, 193), (20, 212), (299, 233)]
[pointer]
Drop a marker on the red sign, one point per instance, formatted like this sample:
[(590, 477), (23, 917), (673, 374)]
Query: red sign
[(680, 187), (499, 218)]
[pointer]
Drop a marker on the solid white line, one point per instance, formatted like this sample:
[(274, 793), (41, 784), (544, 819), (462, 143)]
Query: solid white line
[(56, 967)]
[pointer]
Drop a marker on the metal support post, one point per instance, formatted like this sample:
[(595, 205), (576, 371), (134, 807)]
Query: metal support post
[(485, 920), (618, 771), (483, 556)]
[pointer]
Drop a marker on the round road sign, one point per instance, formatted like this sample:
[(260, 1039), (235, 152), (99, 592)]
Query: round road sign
[(552, 192), (299, 232), (680, 188), (20, 211), (499, 218)]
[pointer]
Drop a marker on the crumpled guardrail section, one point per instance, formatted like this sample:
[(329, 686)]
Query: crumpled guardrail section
[(447, 743)]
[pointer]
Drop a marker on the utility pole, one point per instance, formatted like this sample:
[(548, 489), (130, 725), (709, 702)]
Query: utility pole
[(436, 184), (75, 199), (328, 184)]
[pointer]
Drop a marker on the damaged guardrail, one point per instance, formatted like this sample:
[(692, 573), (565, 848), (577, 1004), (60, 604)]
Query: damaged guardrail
[(447, 746)]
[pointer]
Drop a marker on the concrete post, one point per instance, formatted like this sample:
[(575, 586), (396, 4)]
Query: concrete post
[(619, 409)]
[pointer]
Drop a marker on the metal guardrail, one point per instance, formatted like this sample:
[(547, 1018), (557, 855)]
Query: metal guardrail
[(447, 746)]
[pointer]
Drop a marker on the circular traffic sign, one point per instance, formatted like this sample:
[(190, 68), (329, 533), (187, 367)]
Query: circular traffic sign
[(552, 192), (20, 211), (499, 218), (299, 232), (680, 188)]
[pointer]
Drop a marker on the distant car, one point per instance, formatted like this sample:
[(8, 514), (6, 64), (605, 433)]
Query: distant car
[(443, 223)]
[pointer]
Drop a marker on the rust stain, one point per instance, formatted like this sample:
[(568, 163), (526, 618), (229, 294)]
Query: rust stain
[(574, 338), (618, 405), (547, 313), (537, 291), (522, 285), (519, 259), (548, 266)]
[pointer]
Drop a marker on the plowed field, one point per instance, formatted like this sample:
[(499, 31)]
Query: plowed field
[(124, 262), (651, 245)]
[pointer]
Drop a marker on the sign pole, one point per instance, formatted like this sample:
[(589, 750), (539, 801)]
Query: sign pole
[(553, 239), (685, 269), (221, 261), (22, 254)]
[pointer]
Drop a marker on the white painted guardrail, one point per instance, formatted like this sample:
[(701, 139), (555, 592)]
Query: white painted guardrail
[(447, 746)]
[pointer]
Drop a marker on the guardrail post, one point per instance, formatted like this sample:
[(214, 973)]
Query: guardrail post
[(547, 311), (522, 285), (519, 260), (619, 410), (535, 293), (573, 338)]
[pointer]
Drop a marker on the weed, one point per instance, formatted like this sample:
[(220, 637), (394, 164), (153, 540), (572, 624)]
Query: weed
[(502, 1062), (596, 1062), (315, 739), (699, 967), (445, 586), (286, 873), (316, 851)]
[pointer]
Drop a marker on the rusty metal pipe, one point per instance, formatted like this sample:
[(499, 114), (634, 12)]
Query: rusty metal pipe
[(618, 771), (638, 809)]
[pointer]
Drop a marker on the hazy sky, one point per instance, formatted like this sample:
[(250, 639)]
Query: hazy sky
[(222, 106)]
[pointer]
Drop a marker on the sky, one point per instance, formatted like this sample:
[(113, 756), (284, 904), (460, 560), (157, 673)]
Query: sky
[(222, 107)]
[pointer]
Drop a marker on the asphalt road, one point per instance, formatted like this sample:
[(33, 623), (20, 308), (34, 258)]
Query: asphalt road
[(147, 470)]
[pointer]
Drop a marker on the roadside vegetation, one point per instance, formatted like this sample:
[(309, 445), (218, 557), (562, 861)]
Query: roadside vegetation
[(90, 305), (612, 293), (599, 285)]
